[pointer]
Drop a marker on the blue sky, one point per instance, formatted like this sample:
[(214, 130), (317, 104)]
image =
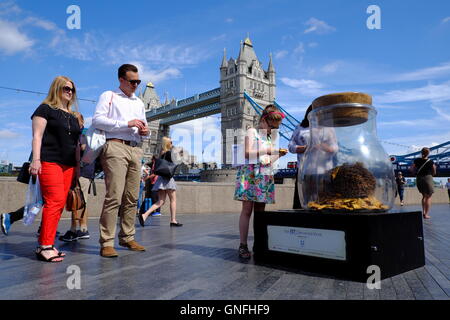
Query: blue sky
[(319, 47)]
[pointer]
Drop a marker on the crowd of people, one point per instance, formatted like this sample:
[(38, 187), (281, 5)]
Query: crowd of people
[(58, 144)]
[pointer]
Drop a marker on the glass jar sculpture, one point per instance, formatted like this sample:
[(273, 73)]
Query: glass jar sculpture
[(345, 168)]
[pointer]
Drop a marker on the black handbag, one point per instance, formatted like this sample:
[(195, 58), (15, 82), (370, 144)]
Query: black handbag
[(24, 174), (165, 168)]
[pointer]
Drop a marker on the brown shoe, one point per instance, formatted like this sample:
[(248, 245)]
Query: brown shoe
[(132, 245), (108, 252)]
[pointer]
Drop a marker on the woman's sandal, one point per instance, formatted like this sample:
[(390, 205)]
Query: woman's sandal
[(243, 252), (141, 219), (60, 253), (41, 257)]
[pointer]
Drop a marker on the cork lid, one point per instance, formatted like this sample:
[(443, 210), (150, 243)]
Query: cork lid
[(345, 113), (342, 97)]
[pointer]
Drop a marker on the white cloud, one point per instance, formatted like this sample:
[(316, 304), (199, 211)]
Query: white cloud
[(156, 54), (397, 123), (229, 20), (318, 26), (44, 24), (424, 74), (330, 67), (440, 92), (416, 141), (306, 87), (313, 44), (8, 134), (223, 36), (8, 8), (12, 40), (300, 49), (445, 20), (441, 112), (281, 54), (156, 76)]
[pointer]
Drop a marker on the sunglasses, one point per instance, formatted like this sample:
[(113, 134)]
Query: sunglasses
[(134, 82), (68, 89)]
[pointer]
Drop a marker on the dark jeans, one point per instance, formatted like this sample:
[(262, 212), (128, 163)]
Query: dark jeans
[(448, 190), (16, 215), (401, 191)]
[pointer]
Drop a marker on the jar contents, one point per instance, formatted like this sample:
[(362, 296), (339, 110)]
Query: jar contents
[(351, 187)]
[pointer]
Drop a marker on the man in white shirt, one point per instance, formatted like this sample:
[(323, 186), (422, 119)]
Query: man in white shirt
[(121, 115)]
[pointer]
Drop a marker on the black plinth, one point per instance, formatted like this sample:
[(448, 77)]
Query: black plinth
[(342, 245)]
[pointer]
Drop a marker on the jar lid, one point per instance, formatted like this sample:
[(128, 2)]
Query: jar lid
[(346, 112), (342, 97)]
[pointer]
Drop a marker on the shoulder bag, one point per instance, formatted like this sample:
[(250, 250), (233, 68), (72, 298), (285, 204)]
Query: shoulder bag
[(165, 168), (95, 140), (75, 201)]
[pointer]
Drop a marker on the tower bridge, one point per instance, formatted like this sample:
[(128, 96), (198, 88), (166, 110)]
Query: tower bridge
[(238, 77)]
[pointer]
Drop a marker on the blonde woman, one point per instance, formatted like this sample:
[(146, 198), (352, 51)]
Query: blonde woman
[(165, 187), (56, 131)]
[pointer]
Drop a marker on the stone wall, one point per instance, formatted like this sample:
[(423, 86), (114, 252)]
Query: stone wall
[(192, 197)]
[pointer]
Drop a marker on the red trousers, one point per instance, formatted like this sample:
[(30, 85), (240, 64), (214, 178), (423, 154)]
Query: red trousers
[(55, 180)]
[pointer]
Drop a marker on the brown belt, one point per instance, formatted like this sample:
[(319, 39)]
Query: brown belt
[(128, 143)]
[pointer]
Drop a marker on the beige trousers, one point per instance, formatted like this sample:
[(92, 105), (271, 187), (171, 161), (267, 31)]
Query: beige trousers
[(122, 168)]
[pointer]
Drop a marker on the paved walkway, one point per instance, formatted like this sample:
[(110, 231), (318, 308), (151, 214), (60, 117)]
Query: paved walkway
[(199, 261)]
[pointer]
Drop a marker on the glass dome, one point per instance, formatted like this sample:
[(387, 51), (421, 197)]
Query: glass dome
[(345, 168)]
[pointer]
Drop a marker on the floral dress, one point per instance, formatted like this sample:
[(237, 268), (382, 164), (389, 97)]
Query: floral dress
[(255, 182)]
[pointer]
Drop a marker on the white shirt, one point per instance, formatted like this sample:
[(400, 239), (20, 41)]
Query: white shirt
[(448, 185), (323, 159), (113, 119), (300, 137)]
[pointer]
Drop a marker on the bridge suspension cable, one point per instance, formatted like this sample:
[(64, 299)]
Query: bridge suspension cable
[(39, 93), (286, 131)]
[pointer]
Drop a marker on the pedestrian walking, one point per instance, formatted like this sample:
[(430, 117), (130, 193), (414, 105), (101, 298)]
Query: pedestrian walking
[(56, 131), (121, 115), (165, 187), (401, 181), (425, 169)]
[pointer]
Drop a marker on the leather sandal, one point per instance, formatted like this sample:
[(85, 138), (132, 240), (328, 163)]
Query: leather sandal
[(41, 257), (244, 253)]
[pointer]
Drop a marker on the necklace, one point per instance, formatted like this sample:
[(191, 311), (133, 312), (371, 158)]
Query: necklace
[(67, 118)]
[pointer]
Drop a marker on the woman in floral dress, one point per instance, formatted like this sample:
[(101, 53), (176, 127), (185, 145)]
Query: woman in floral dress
[(255, 185)]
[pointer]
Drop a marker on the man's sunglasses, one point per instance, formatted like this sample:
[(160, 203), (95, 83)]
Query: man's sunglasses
[(134, 82), (68, 89)]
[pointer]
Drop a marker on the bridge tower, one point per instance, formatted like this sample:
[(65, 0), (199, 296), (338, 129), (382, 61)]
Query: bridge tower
[(236, 76), (152, 145)]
